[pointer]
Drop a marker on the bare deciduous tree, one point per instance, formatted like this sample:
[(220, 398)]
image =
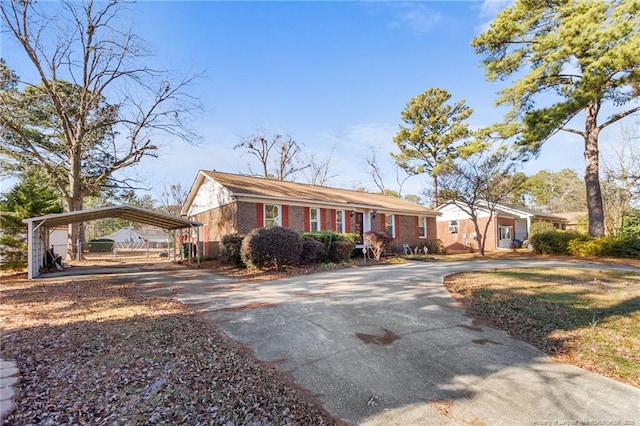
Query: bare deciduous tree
[(621, 181), (318, 173), (95, 109), (278, 155), (478, 183)]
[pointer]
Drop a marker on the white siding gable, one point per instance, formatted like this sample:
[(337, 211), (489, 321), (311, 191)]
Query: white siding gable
[(210, 195), (452, 212)]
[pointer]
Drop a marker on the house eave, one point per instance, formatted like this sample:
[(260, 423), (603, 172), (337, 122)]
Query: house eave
[(345, 206)]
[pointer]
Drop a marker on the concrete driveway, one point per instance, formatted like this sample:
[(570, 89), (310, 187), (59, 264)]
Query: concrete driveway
[(387, 345)]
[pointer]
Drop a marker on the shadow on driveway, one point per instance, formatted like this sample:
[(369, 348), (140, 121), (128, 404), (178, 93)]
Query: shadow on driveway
[(388, 345)]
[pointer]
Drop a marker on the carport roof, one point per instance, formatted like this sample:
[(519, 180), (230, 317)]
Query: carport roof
[(135, 214)]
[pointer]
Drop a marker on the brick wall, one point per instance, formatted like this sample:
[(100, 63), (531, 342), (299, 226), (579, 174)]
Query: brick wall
[(247, 217)]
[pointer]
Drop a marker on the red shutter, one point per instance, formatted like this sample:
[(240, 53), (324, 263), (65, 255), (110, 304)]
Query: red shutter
[(347, 220), (259, 215), (285, 216), (334, 225), (396, 225), (323, 219), (307, 218), (418, 226), (383, 222)]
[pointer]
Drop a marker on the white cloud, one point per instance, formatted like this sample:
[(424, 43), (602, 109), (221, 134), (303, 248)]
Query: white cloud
[(417, 17)]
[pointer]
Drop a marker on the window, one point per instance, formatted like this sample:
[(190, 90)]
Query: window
[(314, 220), (453, 226), (271, 216), (505, 232), (340, 221), (422, 227), (389, 223)]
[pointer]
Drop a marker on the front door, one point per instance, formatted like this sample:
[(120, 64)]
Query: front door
[(359, 226), (506, 236)]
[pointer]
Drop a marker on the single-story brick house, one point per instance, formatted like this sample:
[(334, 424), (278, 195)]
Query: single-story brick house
[(230, 203), (507, 223)]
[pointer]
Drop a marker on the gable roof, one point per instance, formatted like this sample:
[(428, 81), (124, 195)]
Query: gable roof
[(258, 188), (516, 211)]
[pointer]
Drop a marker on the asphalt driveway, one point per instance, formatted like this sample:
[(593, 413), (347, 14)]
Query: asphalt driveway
[(388, 345)]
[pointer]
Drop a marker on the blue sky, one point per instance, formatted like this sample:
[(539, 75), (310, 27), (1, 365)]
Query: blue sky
[(323, 72)]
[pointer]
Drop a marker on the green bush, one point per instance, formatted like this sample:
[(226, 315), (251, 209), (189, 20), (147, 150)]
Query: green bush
[(312, 252), (627, 246), (274, 247), (540, 228), (327, 238), (348, 237), (554, 242), (101, 245), (378, 241), (230, 248), (341, 251)]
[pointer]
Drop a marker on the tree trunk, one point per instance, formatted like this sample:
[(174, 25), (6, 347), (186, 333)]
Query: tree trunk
[(434, 188), (76, 203), (591, 176)]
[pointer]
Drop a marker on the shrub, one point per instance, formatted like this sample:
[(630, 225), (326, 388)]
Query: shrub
[(231, 247), (341, 251), (618, 246), (101, 245), (348, 237), (274, 247), (312, 252), (378, 241), (555, 242), (434, 246), (540, 228)]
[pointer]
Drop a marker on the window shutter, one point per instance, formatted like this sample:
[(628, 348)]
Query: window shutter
[(383, 222), (285, 216), (332, 215), (259, 215), (323, 219), (347, 221), (396, 225), (307, 219), (418, 226)]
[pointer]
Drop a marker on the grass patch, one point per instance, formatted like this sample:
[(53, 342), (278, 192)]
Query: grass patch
[(586, 317)]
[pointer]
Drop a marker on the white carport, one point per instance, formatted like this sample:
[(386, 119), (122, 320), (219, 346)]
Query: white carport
[(38, 234)]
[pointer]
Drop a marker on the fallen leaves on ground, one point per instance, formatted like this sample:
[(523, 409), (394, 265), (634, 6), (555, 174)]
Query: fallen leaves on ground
[(99, 352)]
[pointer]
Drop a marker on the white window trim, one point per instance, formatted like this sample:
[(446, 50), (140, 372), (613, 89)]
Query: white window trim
[(317, 221), (453, 229), (278, 217), (341, 225), (426, 231), (391, 217)]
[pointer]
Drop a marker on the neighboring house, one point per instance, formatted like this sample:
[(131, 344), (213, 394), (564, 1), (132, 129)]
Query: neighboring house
[(229, 203), (457, 231), (576, 221)]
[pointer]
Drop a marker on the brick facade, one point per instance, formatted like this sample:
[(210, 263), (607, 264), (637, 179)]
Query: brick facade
[(243, 217)]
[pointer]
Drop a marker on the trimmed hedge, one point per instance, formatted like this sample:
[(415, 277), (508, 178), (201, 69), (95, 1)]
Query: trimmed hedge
[(341, 251), (327, 238), (553, 242), (101, 245), (312, 252), (275, 247), (231, 248)]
